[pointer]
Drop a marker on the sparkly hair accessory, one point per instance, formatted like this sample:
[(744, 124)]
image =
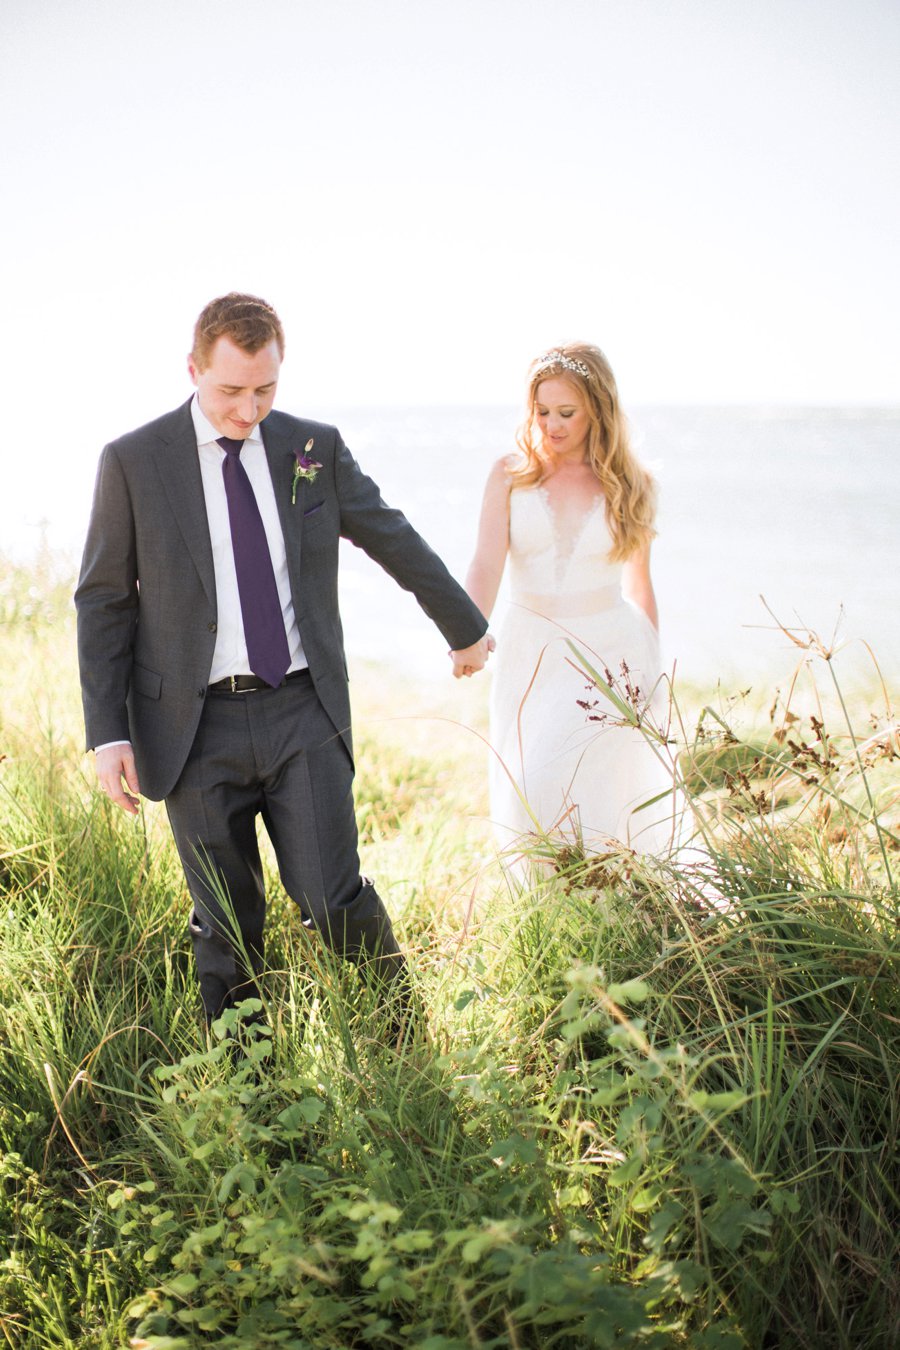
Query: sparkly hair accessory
[(560, 359)]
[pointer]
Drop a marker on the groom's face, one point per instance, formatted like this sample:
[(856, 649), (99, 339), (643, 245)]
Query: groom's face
[(236, 388)]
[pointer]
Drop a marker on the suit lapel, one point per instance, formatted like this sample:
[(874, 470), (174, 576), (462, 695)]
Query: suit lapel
[(183, 484)]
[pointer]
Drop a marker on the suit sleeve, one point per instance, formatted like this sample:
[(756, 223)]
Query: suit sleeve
[(387, 536), (106, 600)]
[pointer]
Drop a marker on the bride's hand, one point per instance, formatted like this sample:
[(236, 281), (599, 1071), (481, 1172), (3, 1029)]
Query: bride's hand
[(468, 660)]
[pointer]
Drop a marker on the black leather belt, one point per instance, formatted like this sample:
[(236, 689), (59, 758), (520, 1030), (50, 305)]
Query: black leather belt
[(252, 684)]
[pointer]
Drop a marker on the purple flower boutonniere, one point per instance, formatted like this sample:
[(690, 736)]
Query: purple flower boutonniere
[(305, 468)]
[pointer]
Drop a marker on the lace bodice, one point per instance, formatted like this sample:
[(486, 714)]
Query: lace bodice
[(556, 570)]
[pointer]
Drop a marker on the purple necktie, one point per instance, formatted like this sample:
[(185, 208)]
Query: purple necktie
[(267, 644)]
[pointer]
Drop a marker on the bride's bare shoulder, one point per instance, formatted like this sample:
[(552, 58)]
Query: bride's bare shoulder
[(508, 465), (502, 469)]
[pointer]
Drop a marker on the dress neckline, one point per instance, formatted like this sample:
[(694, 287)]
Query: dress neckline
[(565, 542), (571, 538)]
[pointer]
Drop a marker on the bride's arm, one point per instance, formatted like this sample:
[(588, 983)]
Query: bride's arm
[(637, 585), (486, 568)]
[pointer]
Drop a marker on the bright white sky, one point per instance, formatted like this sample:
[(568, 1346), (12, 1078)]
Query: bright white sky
[(431, 192)]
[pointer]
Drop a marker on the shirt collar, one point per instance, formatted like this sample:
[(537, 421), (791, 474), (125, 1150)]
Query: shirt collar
[(205, 431)]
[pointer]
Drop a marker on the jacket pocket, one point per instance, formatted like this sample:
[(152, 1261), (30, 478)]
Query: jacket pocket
[(146, 682)]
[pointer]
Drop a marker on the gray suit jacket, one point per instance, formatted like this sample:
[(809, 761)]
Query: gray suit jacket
[(146, 597)]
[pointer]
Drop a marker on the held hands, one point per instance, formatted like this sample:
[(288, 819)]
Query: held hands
[(113, 763), (468, 660)]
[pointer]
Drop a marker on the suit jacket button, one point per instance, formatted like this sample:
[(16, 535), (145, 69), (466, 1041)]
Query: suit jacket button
[(201, 693), (212, 627)]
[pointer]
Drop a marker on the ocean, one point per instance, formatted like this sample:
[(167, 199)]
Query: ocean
[(793, 507), (796, 505)]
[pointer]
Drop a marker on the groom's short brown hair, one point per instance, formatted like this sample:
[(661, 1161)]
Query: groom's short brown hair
[(249, 322)]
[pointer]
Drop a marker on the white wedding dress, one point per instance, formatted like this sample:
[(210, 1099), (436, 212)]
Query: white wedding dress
[(582, 779)]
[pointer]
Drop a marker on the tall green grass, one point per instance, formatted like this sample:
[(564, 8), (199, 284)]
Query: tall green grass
[(657, 1104)]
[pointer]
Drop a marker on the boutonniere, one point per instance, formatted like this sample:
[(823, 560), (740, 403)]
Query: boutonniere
[(305, 468)]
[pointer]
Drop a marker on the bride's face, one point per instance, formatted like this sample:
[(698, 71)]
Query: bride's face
[(562, 418)]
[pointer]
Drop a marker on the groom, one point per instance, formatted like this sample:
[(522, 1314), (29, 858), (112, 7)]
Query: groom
[(211, 652)]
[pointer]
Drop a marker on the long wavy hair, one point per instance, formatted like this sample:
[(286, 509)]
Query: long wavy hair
[(628, 488)]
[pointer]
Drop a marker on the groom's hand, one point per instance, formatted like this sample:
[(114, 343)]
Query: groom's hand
[(468, 660), (115, 763)]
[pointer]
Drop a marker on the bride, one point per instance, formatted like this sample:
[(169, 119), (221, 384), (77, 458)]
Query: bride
[(573, 511)]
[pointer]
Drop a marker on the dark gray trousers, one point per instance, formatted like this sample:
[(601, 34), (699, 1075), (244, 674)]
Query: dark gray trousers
[(276, 754)]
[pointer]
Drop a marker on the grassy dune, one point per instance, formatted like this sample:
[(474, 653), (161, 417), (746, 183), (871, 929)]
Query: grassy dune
[(658, 1105)]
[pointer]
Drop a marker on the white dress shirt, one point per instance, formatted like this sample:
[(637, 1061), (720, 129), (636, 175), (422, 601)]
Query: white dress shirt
[(230, 654)]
